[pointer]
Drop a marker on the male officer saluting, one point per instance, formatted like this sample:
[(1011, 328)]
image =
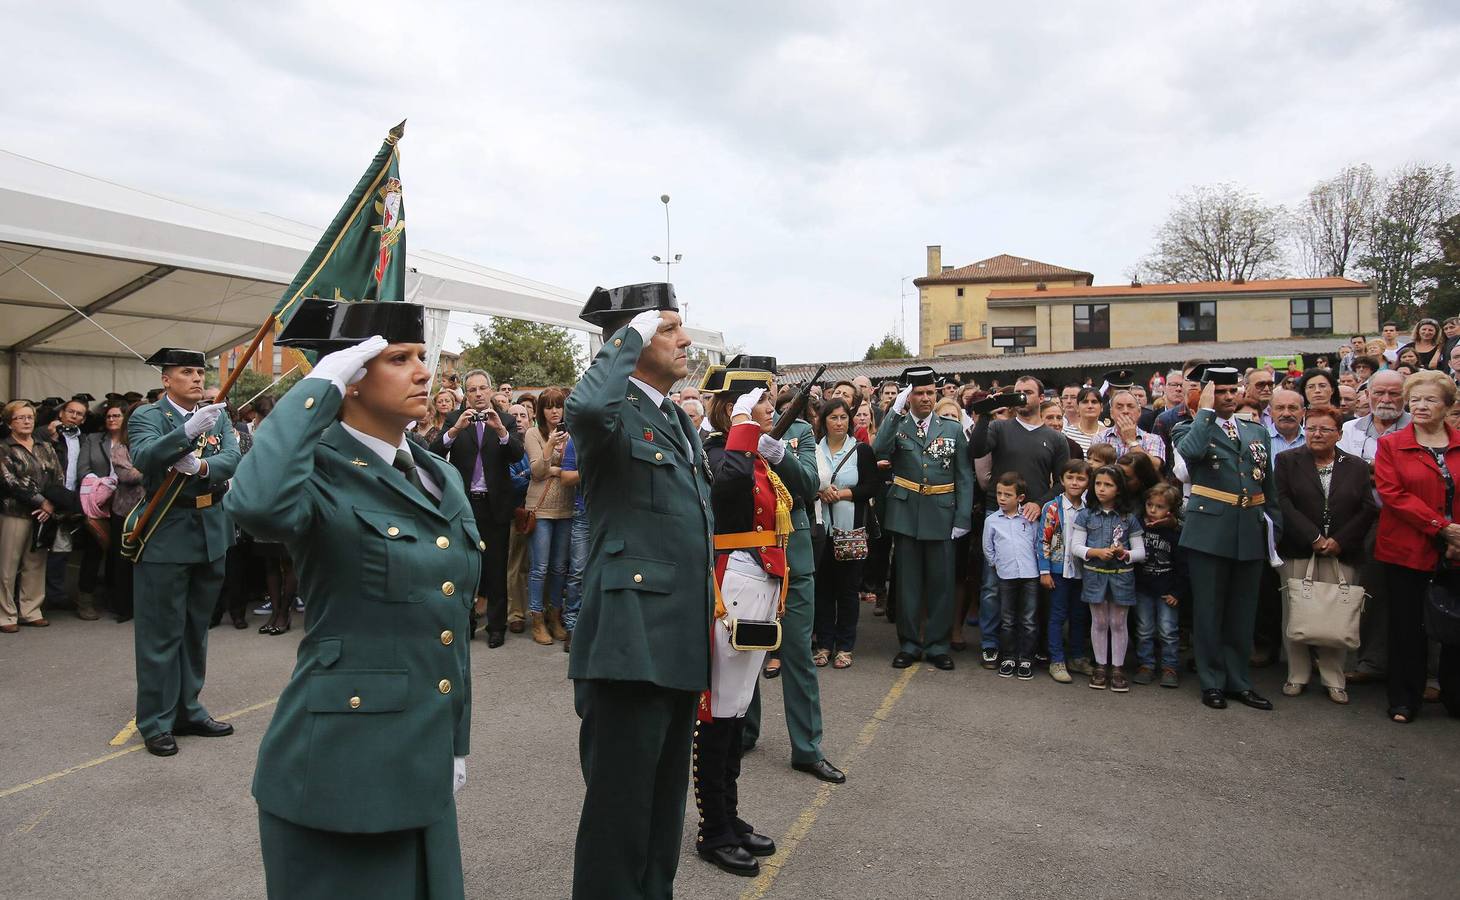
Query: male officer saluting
[(641, 648), (179, 569), (929, 506), (1230, 467)]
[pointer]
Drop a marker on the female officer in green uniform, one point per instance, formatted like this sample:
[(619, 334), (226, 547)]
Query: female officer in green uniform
[(357, 774)]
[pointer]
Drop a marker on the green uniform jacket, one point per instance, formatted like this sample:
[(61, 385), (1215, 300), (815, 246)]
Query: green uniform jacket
[(797, 470), (185, 534), (1243, 468), (939, 458), (647, 589), (379, 702)]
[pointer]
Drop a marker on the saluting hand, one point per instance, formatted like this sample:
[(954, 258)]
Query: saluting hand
[(900, 404)]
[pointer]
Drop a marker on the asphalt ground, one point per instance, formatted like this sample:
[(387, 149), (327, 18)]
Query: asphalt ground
[(960, 784)]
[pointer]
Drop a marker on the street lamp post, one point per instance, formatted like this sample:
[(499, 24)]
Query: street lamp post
[(669, 258)]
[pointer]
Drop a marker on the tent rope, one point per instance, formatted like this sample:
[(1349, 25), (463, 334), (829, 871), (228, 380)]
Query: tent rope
[(80, 312)]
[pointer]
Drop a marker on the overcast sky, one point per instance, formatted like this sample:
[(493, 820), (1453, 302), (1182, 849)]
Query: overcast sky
[(812, 149)]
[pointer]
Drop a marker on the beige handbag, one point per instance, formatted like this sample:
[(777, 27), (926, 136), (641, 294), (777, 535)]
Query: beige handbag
[(1323, 613)]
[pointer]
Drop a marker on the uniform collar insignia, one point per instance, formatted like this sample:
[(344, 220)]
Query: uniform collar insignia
[(357, 461)]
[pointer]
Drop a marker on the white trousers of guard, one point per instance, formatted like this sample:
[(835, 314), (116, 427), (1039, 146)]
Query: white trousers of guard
[(749, 592)]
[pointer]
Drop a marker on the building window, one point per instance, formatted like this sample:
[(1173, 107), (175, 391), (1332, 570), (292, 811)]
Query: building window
[(960, 292), (1016, 339), (955, 331), (1092, 326), (1312, 315), (1196, 320)]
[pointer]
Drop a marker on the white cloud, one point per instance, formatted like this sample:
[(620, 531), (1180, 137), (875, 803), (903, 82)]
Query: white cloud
[(812, 149)]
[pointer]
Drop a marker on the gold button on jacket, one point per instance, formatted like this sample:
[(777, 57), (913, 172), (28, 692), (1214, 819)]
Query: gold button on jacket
[(447, 637), (309, 404), (393, 531), (448, 589), (354, 702), (444, 687), (443, 542)]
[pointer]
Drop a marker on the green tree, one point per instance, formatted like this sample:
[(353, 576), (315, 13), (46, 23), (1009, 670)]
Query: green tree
[(1402, 239), (890, 347), (1443, 297), (524, 353), (251, 384)]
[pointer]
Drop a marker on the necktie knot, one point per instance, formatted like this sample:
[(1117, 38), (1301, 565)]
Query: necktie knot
[(407, 467)]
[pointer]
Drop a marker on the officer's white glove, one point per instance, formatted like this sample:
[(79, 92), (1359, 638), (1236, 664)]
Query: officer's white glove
[(747, 402), (203, 419), (770, 449), (347, 366), (958, 532), (458, 773), (900, 404), (188, 465), (646, 323)]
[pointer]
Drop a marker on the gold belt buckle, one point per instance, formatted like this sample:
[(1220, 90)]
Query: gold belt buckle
[(1242, 501), (205, 501)]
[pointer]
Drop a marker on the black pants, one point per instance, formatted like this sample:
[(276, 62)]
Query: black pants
[(837, 603), (717, 783), (233, 598), (92, 561), (493, 581), (634, 747), (1408, 648), (121, 583)]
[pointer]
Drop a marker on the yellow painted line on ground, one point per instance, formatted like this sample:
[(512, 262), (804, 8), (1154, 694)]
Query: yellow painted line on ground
[(91, 763), (793, 837), (128, 730)]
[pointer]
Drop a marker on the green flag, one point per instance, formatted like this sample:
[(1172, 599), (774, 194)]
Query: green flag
[(362, 255)]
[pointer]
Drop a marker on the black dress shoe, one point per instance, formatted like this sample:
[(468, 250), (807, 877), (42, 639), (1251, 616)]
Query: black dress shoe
[(942, 661), (732, 859), (209, 727), (1214, 699), (823, 770), (162, 745), (958, 646), (903, 660), (758, 844), (496, 639), (1250, 698), (240, 623)]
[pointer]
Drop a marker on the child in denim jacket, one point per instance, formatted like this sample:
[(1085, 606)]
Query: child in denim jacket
[(1111, 541)]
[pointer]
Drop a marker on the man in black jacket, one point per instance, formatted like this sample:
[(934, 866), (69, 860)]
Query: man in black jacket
[(483, 449)]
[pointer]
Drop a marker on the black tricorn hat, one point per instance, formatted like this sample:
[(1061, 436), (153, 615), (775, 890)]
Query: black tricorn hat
[(132, 396), (176, 356), (52, 401), (741, 374), (918, 376), (329, 325), (1119, 378), (1005, 398), (83, 397), (606, 304), (1206, 372)]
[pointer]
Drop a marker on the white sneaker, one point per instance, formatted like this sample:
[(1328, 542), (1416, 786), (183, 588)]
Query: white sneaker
[(1059, 673)]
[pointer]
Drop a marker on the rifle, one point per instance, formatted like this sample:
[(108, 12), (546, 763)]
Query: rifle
[(796, 407)]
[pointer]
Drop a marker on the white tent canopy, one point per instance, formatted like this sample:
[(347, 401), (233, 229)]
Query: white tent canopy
[(156, 270)]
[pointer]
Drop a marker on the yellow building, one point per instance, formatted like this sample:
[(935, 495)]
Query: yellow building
[(952, 308), (1047, 318)]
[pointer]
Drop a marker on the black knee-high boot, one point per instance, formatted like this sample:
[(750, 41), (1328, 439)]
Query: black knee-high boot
[(714, 784)]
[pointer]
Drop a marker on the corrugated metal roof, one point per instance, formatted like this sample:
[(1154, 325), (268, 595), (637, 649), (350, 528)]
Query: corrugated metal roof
[(1091, 362), (1215, 288)]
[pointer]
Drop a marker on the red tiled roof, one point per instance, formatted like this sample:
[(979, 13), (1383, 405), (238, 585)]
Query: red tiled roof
[(1004, 268), (1264, 286)]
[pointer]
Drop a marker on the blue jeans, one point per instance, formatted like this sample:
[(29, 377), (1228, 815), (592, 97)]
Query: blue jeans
[(577, 563), (988, 608), (1154, 616), (1018, 606), (549, 550), (1065, 605)]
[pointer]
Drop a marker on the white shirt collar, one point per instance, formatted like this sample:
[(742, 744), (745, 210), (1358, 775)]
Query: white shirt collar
[(173, 403), (650, 393), (380, 448), (1027, 427)]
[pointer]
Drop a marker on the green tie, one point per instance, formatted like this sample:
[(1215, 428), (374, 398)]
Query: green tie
[(407, 467), (667, 407)]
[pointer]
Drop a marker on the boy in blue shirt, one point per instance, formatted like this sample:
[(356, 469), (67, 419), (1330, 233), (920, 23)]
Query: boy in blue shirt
[(1010, 544)]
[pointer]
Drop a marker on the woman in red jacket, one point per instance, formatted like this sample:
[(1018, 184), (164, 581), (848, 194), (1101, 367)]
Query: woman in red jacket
[(1415, 471)]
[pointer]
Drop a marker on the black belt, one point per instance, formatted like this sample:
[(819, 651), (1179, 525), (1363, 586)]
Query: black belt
[(478, 495)]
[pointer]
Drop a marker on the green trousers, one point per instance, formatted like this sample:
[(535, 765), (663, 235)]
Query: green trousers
[(800, 691), (307, 864), (634, 746), (1223, 615), (173, 602), (924, 594)]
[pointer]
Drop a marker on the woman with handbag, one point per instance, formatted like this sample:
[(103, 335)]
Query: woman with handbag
[(1328, 506), (29, 471), (129, 493), (752, 508), (1415, 472), (549, 519), (852, 482)]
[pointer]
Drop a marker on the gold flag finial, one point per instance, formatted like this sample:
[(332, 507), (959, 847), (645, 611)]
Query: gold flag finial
[(397, 132)]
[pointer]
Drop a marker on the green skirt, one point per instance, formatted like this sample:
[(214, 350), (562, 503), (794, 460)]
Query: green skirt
[(306, 864)]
